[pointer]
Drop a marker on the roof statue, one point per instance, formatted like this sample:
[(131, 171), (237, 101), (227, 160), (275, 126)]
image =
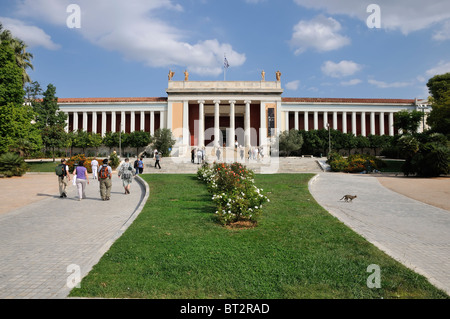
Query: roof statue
[(171, 74)]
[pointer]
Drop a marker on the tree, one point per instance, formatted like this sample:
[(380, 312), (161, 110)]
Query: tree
[(139, 139), (439, 117), (438, 86), (22, 57), (290, 141), (407, 121), (362, 142), (377, 142), (349, 141), (54, 137), (163, 141), (16, 128), (47, 110)]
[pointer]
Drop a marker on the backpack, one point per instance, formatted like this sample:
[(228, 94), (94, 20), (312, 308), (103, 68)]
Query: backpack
[(59, 170), (103, 172), (127, 172)]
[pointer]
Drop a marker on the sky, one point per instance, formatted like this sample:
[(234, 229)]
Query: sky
[(323, 48)]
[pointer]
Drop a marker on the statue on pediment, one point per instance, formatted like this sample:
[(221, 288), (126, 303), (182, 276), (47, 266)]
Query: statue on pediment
[(171, 74), (278, 75)]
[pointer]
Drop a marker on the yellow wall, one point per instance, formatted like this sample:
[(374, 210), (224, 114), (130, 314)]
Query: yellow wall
[(177, 118)]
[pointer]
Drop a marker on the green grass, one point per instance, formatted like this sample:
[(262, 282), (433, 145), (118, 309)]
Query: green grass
[(42, 167), (176, 249)]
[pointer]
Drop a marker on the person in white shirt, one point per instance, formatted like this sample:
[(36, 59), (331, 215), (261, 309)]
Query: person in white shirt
[(94, 165)]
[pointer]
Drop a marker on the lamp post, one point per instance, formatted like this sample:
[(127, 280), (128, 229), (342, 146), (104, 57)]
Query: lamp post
[(329, 138)]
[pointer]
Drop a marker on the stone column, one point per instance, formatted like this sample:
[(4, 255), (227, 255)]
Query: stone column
[(85, 121), (263, 126), (217, 140), (372, 123), (325, 119), (103, 124), (295, 120), (152, 122), (363, 123), (335, 120), (132, 121), (354, 123), (123, 122), (186, 123), (232, 131), (391, 124), (201, 124), (66, 128), (162, 119), (142, 124), (113, 121), (75, 121), (94, 122), (306, 121), (381, 123), (316, 120), (344, 122), (247, 123)]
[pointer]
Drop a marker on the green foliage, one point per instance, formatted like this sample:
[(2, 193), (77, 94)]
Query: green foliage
[(164, 141), (12, 165), (290, 141), (236, 197), (11, 86), (439, 117), (407, 121), (439, 86), (76, 159), (114, 160), (354, 163), (139, 139), (47, 111)]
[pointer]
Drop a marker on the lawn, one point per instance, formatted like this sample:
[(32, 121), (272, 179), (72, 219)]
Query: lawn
[(176, 249), (42, 167)]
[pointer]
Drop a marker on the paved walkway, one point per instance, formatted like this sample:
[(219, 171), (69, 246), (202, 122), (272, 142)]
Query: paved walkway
[(45, 240), (48, 242), (412, 232)]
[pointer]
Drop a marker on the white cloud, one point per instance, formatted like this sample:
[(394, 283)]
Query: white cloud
[(444, 33), (351, 82), (137, 30), (385, 85), (341, 69), (31, 35), (320, 33), (441, 68), (293, 85), (404, 15)]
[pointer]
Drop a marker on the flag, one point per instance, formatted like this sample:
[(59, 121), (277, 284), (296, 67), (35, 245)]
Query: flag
[(225, 63)]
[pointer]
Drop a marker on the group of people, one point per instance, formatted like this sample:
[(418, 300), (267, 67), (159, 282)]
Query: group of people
[(103, 173), (198, 154)]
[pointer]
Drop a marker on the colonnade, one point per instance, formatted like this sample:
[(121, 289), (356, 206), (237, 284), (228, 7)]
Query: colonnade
[(355, 126)]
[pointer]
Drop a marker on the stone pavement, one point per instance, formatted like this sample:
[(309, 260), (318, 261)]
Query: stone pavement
[(412, 232), (46, 245)]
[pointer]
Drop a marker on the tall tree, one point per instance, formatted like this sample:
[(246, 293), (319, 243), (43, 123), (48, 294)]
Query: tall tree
[(407, 121), (139, 139), (439, 117), (290, 141), (22, 57), (47, 110)]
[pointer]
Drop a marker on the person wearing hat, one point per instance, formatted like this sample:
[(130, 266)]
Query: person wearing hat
[(104, 177)]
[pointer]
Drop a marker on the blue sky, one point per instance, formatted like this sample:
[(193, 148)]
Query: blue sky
[(323, 48)]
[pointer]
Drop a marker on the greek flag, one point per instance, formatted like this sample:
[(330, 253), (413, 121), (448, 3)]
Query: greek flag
[(225, 63)]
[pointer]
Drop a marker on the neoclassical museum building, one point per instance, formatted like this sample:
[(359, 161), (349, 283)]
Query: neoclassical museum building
[(226, 113)]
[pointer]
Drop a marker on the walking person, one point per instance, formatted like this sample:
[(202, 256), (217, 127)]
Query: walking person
[(141, 165), (104, 177), (94, 165), (126, 174), (82, 178), (199, 156), (157, 159), (62, 170), (136, 166)]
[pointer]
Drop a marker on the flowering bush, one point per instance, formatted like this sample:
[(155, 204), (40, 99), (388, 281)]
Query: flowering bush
[(76, 159), (234, 193), (354, 163)]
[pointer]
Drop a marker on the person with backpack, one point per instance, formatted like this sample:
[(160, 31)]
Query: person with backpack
[(157, 159), (104, 177), (62, 171), (136, 166), (126, 174), (82, 176)]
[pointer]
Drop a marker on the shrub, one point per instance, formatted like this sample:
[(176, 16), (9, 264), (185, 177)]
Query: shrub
[(355, 163), (12, 165), (76, 159), (114, 160), (236, 197)]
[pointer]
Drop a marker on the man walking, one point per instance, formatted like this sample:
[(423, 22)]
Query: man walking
[(62, 170), (157, 159), (94, 165), (104, 177)]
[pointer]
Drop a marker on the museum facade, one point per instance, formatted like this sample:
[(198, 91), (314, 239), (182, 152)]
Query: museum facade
[(230, 113)]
